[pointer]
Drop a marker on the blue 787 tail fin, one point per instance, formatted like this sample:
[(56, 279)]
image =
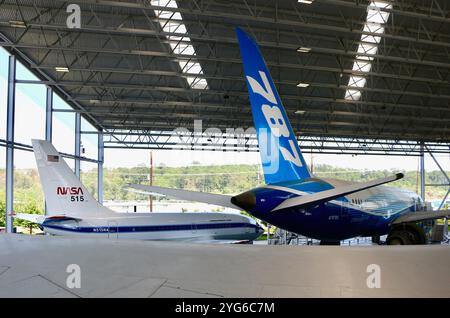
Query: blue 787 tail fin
[(280, 155)]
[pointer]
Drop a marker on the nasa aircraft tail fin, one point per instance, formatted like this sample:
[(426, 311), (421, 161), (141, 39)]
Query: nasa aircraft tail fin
[(64, 193), (280, 155)]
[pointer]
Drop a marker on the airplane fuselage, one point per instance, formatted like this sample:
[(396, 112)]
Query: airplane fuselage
[(366, 213), (158, 226)]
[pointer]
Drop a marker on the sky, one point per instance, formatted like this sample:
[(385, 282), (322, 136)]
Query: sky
[(30, 123)]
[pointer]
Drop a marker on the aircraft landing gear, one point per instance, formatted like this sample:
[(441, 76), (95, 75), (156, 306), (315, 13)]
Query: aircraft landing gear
[(376, 240), (406, 234)]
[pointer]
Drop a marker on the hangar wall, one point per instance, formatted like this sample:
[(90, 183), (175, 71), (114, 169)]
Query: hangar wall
[(30, 109)]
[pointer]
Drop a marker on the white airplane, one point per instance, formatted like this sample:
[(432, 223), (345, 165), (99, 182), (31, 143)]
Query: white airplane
[(72, 210)]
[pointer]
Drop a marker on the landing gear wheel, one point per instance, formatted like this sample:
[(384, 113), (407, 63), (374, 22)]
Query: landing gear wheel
[(399, 238), (406, 234)]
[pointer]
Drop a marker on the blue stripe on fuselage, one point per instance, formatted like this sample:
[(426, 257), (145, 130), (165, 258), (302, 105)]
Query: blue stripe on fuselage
[(150, 228)]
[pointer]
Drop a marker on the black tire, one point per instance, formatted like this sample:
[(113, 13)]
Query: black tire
[(406, 234), (418, 233), (400, 238)]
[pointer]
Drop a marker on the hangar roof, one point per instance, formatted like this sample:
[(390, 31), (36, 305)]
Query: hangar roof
[(160, 64)]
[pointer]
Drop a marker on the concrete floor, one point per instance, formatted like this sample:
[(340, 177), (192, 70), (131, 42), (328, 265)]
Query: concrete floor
[(35, 266)]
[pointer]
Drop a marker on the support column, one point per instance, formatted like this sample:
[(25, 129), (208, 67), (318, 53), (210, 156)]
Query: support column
[(77, 144), (422, 171), (101, 148), (49, 115), (48, 123), (10, 143), (448, 191)]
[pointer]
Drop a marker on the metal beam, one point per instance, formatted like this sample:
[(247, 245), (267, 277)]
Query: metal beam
[(126, 52), (164, 37), (422, 170), (77, 144), (334, 70), (445, 175), (222, 111), (117, 100), (397, 9), (28, 148), (123, 86), (10, 123), (27, 61), (101, 158), (246, 141), (244, 16), (49, 115), (48, 123)]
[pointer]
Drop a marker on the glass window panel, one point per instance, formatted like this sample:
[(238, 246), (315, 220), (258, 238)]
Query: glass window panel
[(59, 103), (89, 177), (89, 142), (357, 81), (24, 73), (2, 184), (179, 48), (373, 28), (374, 24), (367, 48), (376, 16), (70, 163), (30, 112), (63, 130), (28, 194), (4, 56), (352, 94), (362, 66)]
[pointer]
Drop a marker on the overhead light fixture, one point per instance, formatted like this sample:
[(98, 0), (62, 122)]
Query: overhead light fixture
[(94, 101), (303, 49), (300, 112), (306, 1), (302, 85), (61, 69), (17, 24)]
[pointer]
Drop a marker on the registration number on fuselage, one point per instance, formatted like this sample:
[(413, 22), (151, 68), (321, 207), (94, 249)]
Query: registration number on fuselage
[(100, 229)]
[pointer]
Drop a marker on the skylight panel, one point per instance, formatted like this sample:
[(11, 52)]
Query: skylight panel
[(368, 47), (362, 66), (172, 22)]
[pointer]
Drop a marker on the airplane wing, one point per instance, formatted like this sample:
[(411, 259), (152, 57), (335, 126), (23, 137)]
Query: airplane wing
[(421, 216), (210, 198), (331, 194)]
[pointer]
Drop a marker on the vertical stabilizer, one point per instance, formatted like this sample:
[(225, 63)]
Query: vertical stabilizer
[(280, 154), (64, 193)]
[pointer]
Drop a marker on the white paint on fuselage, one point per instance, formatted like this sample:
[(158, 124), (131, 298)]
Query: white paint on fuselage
[(108, 225)]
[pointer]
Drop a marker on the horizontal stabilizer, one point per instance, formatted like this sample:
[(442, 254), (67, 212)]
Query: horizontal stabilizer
[(34, 218), (210, 198), (332, 194), (421, 216)]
